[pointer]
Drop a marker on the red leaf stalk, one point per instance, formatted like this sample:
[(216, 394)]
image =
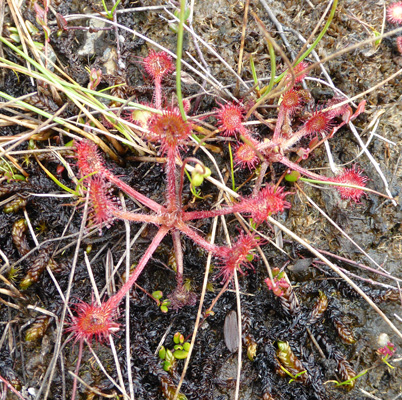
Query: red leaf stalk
[(230, 117), (267, 202), (104, 208), (158, 65), (171, 180), (238, 256), (89, 162), (115, 300), (291, 101)]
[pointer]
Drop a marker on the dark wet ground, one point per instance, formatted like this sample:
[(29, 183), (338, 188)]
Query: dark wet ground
[(374, 225)]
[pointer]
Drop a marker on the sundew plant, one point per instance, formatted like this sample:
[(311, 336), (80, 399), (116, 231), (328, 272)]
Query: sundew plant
[(168, 206)]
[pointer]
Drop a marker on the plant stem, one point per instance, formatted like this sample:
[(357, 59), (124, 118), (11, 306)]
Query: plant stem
[(296, 167), (231, 168), (254, 73), (179, 53), (171, 197), (77, 369), (178, 251), (158, 93), (153, 205), (197, 238), (272, 56), (315, 43), (331, 183), (193, 215), (115, 300), (279, 123), (129, 216), (320, 36)]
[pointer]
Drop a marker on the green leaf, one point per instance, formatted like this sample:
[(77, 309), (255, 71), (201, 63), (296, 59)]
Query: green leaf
[(178, 338), (157, 295), (167, 366), (180, 354), (162, 353), (292, 176)]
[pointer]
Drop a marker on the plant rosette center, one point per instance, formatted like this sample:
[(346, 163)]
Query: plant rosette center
[(170, 219), (93, 321)]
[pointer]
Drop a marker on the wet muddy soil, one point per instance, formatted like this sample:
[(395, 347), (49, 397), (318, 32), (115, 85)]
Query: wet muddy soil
[(333, 342)]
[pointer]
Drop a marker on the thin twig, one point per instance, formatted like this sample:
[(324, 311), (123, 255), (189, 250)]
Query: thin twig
[(338, 271), (199, 312), (239, 319), (339, 228), (137, 34), (241, 50), (279, 28), (51, 369), (127, 308)]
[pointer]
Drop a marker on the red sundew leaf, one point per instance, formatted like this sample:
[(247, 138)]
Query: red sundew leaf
[(360, 109), (347, 115), (158, 64), (238, 256), (291, 100), (245, 156), (139, 117), (394, 13), (267, 202), (88, 158), (102, 203), (388, 350), (230, 118), (298, 69), (169, 130), (352, 176), (277, 286), (93, 321), (319, 122)]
